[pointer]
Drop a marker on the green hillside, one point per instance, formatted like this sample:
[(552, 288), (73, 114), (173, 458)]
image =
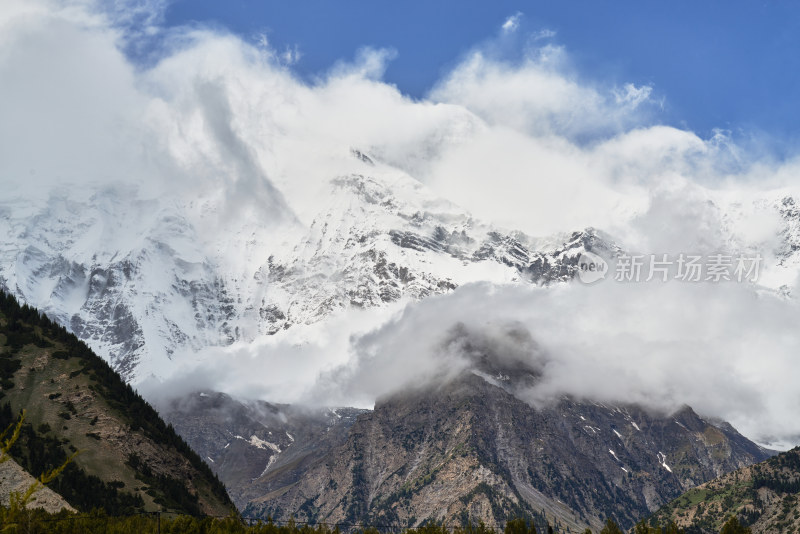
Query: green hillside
[(765, 497), (130, 460)]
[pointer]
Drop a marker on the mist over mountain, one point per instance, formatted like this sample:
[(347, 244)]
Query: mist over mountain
[(210, 220), (462, 449)]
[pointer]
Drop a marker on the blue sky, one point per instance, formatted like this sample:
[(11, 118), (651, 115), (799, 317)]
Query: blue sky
[(732, 65)]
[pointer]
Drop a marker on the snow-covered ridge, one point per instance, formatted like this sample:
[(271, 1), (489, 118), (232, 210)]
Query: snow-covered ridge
[(148, 280), (142, 280)]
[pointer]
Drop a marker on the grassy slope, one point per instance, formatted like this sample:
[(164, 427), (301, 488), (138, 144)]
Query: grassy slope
[(71, 396), (766, 496)]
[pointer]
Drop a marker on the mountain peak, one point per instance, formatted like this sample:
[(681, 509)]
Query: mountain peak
[(471, 449)]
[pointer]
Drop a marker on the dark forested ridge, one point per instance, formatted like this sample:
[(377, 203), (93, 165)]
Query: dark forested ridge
[(130, 459)]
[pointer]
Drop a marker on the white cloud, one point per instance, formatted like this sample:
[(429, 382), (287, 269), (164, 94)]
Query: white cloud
[(631, 96), (291, 55), (544, 34), (511, 23), (526, 142), (370, 63), (288, 56), (726, 350)]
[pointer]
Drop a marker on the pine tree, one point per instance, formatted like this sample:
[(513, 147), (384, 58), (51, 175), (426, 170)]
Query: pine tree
[(734, 527), (519, 526), (611, 528)]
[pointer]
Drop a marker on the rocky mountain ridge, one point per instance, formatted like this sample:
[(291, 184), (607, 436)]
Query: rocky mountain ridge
[(242, 440), (191, 273), (144, 295), (473, 449)]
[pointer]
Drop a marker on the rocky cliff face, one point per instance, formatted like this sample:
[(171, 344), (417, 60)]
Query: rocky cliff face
[(14, 478), (474, 449), (242, 440)]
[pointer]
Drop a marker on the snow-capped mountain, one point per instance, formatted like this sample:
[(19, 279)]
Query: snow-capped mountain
[(149, 280), (142, 279)]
